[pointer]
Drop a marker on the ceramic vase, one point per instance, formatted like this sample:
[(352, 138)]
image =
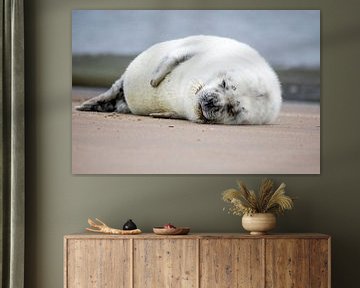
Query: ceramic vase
[(259, 223)]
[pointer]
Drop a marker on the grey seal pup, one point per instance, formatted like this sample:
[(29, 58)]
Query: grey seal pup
[(205, 79)]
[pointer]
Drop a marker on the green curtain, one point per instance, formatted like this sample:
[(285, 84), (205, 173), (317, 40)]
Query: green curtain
[(12, 180)]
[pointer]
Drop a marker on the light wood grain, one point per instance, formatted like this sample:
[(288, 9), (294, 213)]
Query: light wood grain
[(287, 263), (98, 263), (319, 263), (231, 263), (165, 263), (197, 260)]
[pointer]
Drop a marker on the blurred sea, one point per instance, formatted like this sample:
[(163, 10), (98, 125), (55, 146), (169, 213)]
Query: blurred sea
[(288, 39)]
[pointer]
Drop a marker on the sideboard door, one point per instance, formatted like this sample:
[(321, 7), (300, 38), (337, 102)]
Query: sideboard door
[(320, 263), (231, 263), (297, 263), (98, 263), (287, 263), (165, 263)]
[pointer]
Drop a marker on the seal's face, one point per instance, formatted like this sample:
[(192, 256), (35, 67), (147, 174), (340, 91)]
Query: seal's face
[(218, 103), (227, 101)]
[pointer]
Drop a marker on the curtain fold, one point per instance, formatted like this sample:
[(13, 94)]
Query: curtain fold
[(12, 183)]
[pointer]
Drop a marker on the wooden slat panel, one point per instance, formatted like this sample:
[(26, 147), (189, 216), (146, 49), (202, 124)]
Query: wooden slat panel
[(165, 263), (287, 263), (197, 261), (319, 263), (231, 263), (98, 263)]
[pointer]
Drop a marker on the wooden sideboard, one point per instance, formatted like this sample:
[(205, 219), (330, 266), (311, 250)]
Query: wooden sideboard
[(197, 260)]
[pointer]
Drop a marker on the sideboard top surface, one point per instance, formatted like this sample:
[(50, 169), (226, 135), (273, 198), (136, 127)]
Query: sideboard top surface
[(87, 235)]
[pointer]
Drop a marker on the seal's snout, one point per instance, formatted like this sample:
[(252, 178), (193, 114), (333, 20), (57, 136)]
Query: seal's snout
[(210, 100), (211, 105), (208, 103)]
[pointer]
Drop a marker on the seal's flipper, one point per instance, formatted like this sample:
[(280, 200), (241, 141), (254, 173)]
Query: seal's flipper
[(168, 63), (171, 115), (113, 100)]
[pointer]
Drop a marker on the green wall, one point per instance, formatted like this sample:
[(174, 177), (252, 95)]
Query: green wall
[(58, 203)]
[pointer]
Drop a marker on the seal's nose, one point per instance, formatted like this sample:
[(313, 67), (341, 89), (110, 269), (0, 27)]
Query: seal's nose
[(208, 103), (210, 106)]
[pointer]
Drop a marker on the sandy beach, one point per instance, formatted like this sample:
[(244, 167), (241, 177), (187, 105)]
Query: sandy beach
[(108, 143)]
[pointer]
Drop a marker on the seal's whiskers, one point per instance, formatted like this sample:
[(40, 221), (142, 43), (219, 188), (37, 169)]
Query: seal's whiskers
[(196, 86)]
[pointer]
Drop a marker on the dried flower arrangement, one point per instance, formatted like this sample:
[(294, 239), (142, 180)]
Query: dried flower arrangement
[(267, 200)]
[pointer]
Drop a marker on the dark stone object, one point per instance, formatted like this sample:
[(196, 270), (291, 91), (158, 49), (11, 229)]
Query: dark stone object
[(129, 225)]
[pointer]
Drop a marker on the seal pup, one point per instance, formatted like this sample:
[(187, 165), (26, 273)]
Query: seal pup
[(205, 79)]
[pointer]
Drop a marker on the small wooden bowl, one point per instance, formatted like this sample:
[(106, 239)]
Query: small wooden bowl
[(171, 231)]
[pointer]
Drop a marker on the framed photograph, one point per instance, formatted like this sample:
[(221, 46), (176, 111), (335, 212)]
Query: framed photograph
[(196, 92)]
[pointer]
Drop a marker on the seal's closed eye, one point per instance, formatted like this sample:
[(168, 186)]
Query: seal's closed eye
[(261, 95), (223, 84)]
